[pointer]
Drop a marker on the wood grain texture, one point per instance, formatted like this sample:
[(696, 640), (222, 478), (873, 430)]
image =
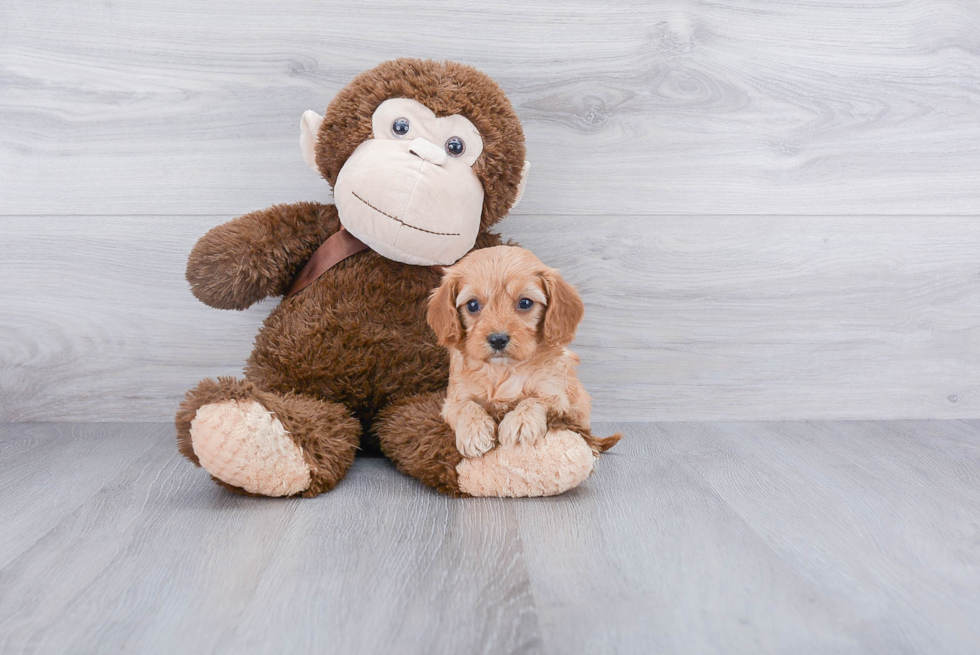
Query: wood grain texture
[(162, 561), (811, 537), (770, 207), (729, 107), (687, 317), (48, 472), (759, 538), (773, 317)]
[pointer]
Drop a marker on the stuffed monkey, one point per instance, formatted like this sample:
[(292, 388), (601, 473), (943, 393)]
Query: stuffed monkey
[(424, 157)]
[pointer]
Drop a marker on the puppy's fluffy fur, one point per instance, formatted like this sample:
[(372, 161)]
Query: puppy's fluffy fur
[(529, 384)]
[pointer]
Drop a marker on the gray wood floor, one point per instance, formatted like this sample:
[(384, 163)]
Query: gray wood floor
[(782, 537)]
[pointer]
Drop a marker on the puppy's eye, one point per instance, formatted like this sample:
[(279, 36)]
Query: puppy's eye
[(455, 146), (400, 127), (473, 306), (525, 303)]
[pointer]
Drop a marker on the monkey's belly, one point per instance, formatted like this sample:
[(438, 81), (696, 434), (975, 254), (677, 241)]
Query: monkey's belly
[(356, 336)]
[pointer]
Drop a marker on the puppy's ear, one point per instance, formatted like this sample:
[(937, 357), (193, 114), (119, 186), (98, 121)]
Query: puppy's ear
[(443, 316), (565, 309)]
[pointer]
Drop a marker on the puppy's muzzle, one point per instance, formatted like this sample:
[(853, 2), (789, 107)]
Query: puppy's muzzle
[(498, 340)]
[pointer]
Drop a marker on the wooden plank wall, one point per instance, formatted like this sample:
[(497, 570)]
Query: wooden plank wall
[(770, 207)]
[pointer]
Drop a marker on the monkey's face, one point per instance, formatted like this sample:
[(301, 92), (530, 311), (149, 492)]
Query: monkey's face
[(410, 192)]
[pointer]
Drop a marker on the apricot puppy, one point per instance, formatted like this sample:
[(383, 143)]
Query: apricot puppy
[(507, 320)]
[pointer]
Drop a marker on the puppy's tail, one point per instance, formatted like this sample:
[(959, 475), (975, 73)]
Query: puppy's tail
[(602, 445), (598, 445)]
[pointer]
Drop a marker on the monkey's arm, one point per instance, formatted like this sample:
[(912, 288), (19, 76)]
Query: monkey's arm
[(256, 255)]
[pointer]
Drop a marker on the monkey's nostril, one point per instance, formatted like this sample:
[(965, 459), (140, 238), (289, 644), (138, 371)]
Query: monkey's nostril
[(498, 340), (427, 151)]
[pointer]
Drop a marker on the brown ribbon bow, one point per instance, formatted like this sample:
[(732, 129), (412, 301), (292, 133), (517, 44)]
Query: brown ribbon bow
[(338, 247)]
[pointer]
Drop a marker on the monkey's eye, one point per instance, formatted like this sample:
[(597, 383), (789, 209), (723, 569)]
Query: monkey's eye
[(455, 146), (400, 127), (473, 306), (525, 303)]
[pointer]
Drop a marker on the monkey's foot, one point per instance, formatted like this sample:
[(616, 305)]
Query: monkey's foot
[(243, 444), (552, 465), (261, 442)]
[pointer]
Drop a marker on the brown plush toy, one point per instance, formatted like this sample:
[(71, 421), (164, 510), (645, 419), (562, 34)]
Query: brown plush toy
[(424, 157)]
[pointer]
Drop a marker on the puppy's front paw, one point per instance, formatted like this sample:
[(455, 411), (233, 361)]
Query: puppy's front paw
[(525, 424), (475, 435)]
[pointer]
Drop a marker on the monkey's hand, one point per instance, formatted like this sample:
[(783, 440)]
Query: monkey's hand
[(526, 423), (254, 256)]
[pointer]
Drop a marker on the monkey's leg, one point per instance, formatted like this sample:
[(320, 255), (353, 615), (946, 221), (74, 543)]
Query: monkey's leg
[(262, 443), (415, 437)]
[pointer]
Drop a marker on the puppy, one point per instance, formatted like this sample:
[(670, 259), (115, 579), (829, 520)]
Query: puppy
[(506, 320)]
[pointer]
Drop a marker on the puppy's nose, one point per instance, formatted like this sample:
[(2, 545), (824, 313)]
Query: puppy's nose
[(498, 340)]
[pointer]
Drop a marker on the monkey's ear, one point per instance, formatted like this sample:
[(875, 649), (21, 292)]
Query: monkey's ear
[(520, 187), (443, 317), (309, 126)]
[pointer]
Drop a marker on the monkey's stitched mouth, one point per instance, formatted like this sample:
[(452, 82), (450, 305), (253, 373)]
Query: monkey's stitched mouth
[(398, 220)]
